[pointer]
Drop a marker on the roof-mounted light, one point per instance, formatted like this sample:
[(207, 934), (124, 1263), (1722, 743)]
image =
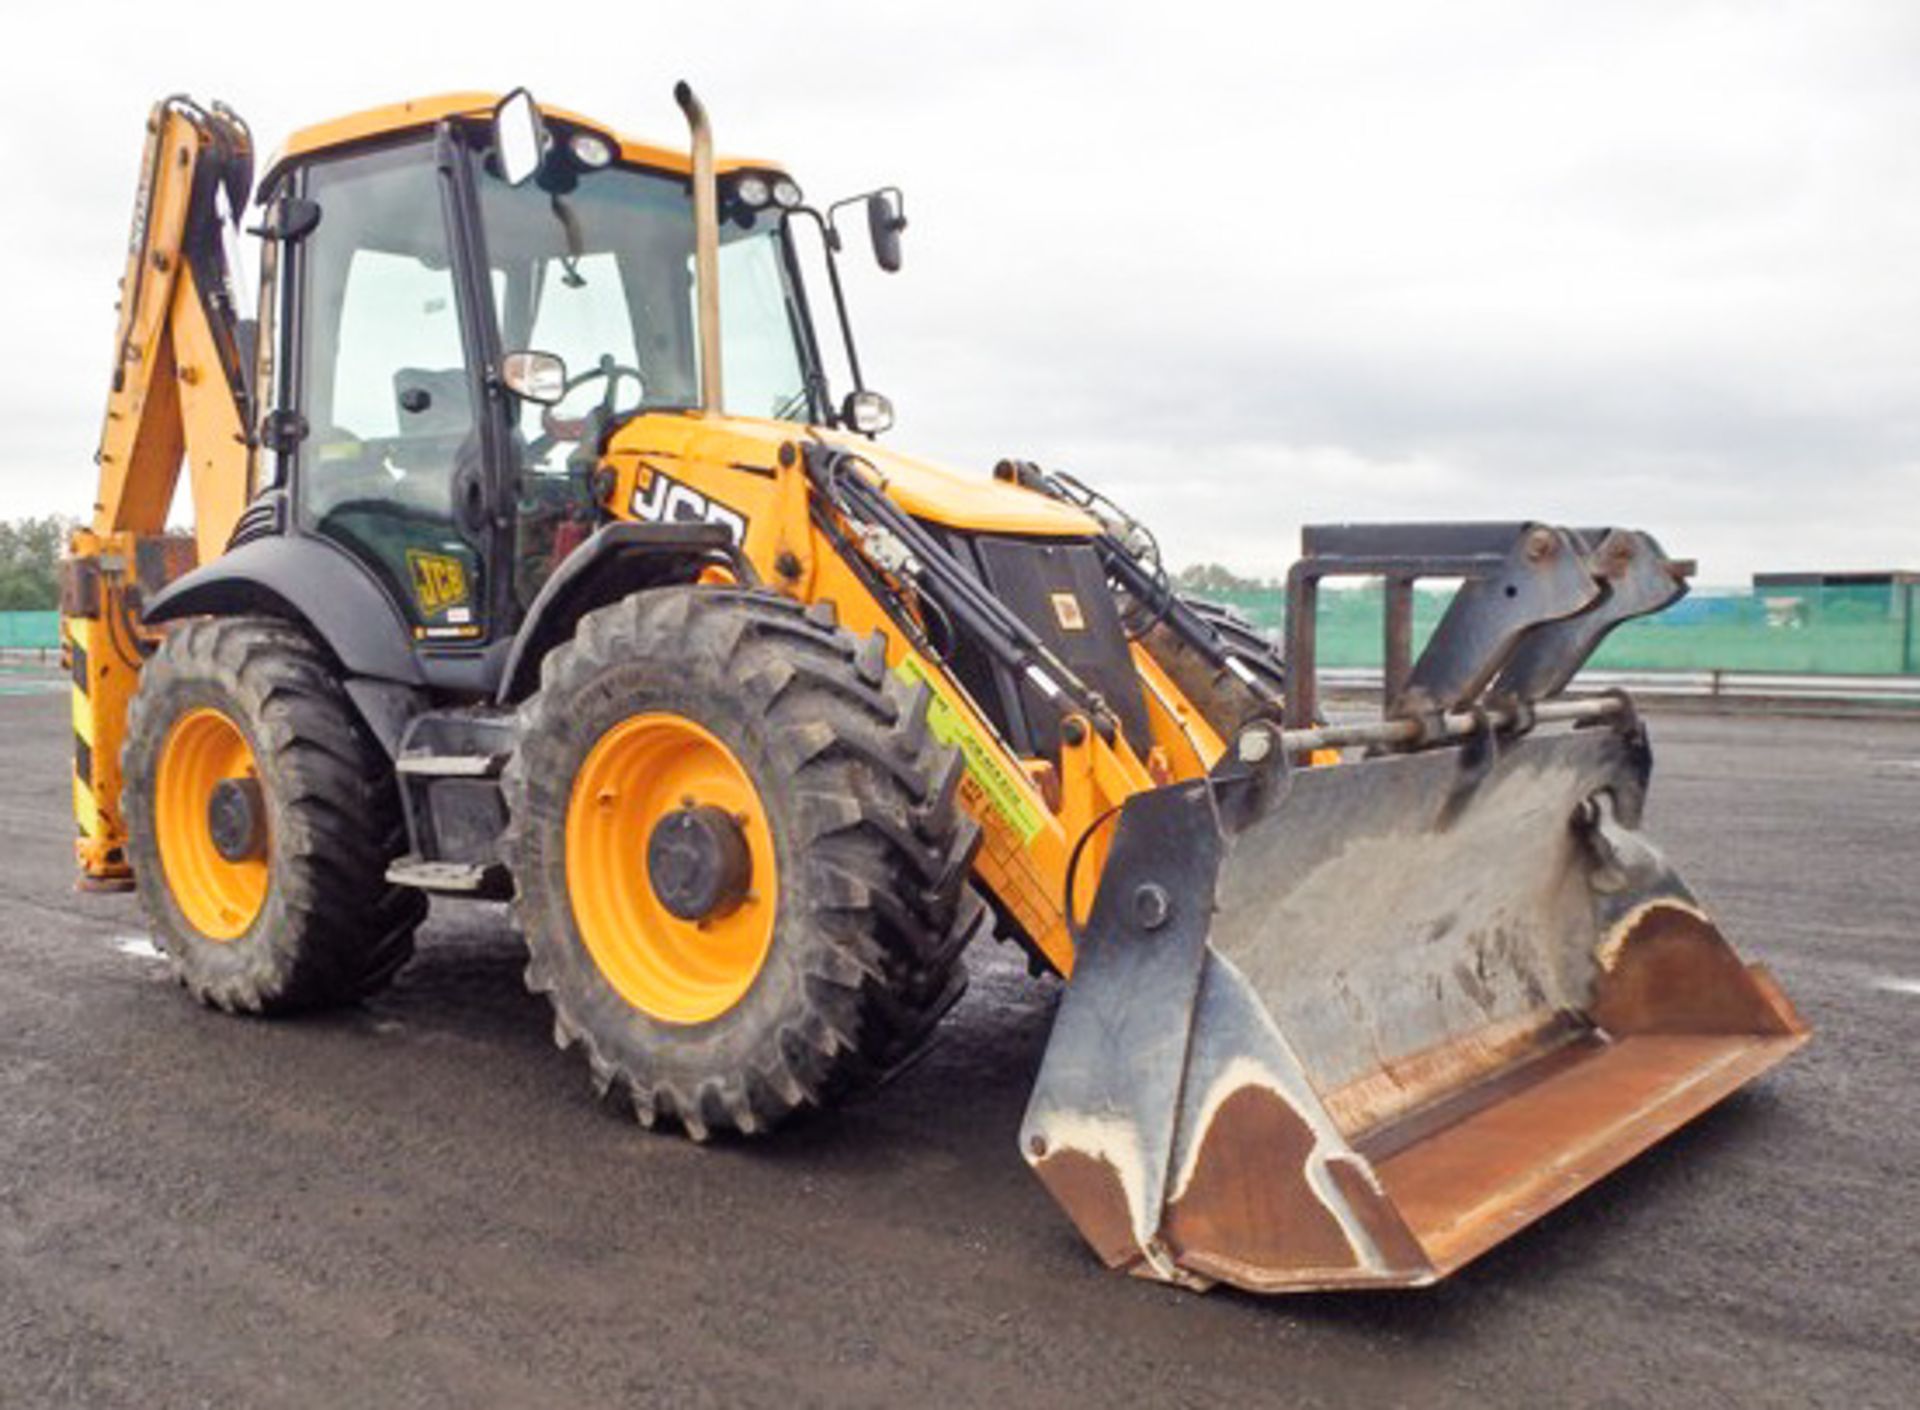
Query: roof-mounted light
[(591, 150), (867, 412), (752, 190), (786, 193)]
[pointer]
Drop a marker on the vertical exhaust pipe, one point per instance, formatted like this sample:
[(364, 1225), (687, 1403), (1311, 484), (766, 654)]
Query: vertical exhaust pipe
[(706, 248)]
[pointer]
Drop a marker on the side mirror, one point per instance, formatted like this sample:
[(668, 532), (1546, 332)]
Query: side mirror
[(519, 136), (885, 221), (534, 376)]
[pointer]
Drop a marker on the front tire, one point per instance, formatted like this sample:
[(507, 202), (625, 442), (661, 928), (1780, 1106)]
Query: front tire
[(261, 817), (809, 937)]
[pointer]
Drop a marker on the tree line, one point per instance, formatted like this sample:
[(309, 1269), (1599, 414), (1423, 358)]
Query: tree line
[(30, 562), (1213, 577), (30, 566)]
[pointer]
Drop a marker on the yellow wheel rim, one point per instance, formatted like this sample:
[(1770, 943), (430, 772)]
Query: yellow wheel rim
[(638, 773), (218, 897)]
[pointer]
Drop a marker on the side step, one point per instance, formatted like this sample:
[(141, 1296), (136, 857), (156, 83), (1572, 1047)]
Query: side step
[(452, 765), (481, 882), (449, 769)]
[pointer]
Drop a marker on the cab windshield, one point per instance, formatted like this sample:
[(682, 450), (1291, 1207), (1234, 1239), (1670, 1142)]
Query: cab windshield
[(596, 267)]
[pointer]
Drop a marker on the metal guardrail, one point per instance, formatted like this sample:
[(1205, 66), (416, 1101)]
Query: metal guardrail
[(1895, 691), (1899, 691)]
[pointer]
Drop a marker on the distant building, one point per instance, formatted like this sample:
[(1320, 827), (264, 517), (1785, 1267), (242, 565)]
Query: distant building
[(1888, 580), (1796, 600)]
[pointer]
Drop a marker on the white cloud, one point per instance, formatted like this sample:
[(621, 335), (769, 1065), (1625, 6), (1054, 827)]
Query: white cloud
[(1244, 266)]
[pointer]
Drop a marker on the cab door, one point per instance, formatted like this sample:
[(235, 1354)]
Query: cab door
[(393, 464)]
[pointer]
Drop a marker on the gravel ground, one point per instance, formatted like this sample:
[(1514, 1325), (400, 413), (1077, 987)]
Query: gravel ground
[(419, 1203)]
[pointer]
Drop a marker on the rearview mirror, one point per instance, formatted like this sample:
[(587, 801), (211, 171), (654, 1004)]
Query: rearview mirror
[(519, 136), (885, 221), (534, 376)]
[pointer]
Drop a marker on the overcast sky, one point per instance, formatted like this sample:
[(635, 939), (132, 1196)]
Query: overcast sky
[(1243, 266)]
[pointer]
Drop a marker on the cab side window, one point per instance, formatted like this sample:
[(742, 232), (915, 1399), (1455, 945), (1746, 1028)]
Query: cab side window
[(400, 333), (384, 385)]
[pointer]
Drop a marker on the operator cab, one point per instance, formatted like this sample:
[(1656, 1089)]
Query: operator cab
[(445, 349)]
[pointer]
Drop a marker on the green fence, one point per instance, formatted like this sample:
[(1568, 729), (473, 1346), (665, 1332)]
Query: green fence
[(1846, 631), (29, 631), (1850, 631)]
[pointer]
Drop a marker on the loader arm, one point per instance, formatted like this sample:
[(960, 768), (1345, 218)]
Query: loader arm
[(180, 390)]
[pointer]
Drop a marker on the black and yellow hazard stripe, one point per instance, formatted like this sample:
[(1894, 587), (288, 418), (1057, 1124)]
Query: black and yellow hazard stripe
[(79, 652), (102, 688)]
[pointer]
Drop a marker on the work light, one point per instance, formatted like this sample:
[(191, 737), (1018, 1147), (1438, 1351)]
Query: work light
[(590, 149)]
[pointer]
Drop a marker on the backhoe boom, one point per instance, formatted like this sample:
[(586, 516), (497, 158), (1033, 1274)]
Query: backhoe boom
[(180, 390)]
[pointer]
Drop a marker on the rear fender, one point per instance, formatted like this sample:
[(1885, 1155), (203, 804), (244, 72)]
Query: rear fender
[(309, 581)]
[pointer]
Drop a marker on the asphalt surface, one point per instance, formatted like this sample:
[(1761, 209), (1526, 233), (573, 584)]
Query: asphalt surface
[(420, 1203)]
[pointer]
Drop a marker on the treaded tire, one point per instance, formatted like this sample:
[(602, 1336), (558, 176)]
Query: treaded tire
[(1222, 698), (872, 851), (331, 929)]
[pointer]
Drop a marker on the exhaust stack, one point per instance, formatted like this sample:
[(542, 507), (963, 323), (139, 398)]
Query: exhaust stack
[(706, 248)]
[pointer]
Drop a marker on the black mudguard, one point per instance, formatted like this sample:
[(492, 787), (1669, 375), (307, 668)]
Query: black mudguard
[(312, 582)]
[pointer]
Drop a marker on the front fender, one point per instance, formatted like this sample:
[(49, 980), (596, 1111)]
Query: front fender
[(619, 558)]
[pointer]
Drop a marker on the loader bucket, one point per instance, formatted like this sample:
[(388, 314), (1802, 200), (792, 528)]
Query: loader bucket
[(1355, 1025)]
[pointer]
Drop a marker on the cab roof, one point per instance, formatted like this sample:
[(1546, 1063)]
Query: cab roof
[(415, 113)]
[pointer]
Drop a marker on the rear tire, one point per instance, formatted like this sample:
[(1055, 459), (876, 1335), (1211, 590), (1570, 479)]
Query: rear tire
[(311, 920), (869, 863)]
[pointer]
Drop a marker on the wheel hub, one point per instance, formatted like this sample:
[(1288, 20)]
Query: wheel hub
[(210, 824), (671, 872), (698, 862), (236, 819)]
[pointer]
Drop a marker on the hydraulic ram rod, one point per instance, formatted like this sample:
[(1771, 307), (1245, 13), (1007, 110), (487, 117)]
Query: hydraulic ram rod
[(1455, 724)]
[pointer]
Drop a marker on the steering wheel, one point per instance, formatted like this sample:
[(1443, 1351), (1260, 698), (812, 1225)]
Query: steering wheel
[(554, 429)]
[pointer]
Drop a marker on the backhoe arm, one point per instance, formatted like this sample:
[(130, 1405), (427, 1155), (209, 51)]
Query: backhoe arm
[(180, 390)]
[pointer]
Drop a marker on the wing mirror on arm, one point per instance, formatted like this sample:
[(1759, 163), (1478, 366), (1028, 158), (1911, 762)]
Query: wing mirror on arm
[(885, 220), (519, 137), (534, 376)]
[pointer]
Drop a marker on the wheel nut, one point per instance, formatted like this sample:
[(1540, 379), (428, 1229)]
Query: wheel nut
[(1151, 906)]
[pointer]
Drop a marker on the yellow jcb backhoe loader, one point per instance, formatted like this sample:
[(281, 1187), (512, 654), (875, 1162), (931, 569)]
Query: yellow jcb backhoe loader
[(496, 589)]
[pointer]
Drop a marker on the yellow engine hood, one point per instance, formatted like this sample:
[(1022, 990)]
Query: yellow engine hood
[(961, 501)]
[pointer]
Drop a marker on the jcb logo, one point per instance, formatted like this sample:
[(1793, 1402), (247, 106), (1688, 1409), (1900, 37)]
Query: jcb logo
[(439, 582), (664, 500)]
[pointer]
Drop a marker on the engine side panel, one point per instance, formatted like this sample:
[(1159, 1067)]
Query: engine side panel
[(1058, 588)]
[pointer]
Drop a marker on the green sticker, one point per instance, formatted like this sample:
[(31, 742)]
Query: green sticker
[(951, 728)]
